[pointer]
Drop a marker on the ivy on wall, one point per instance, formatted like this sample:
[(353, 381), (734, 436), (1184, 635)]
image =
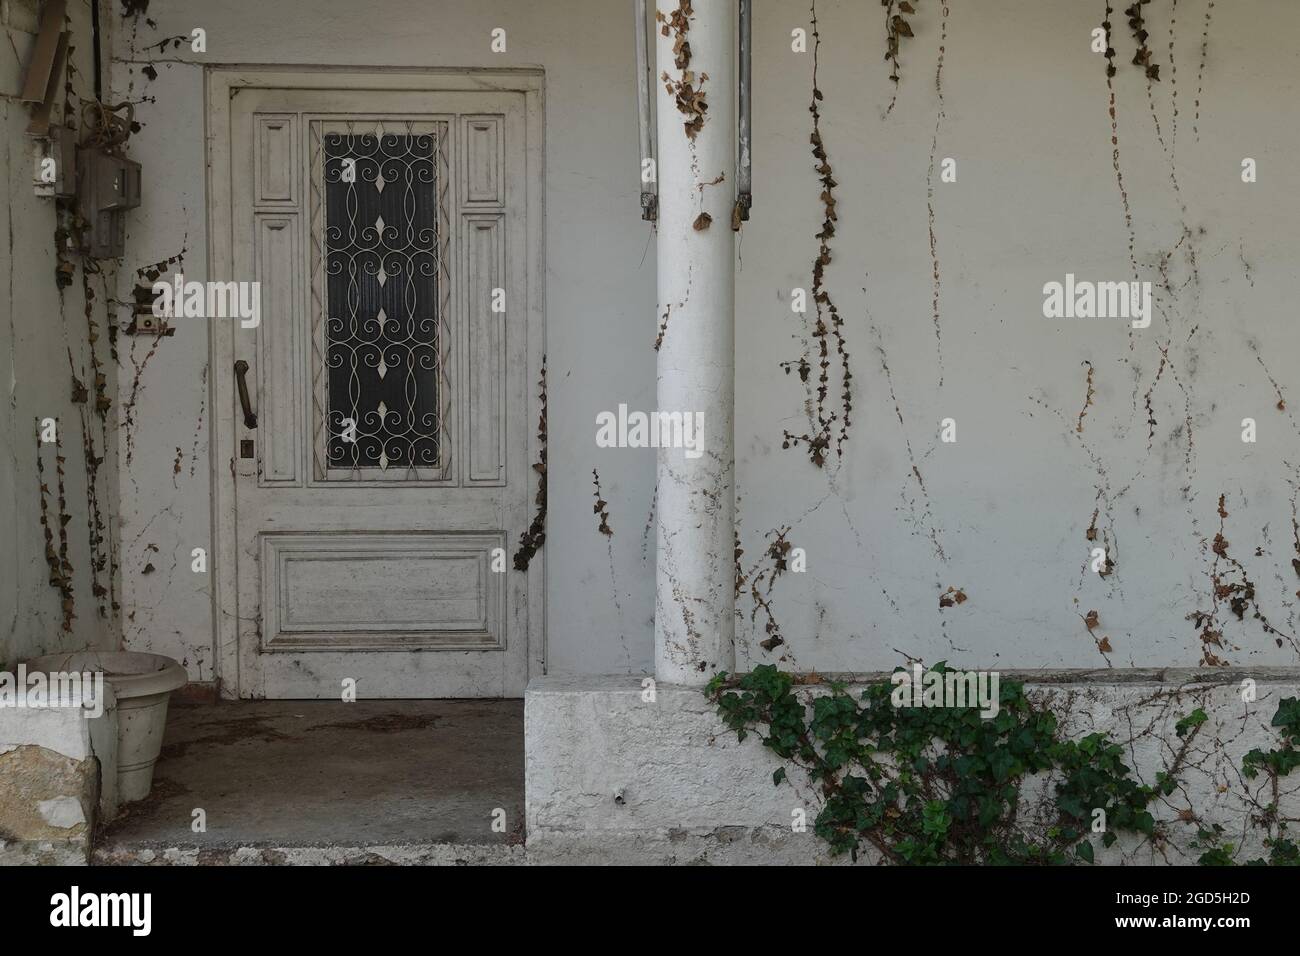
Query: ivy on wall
[(1274, 765), (944, 785)]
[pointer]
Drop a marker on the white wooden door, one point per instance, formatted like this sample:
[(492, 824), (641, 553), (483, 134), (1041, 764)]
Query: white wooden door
[(378, 495)]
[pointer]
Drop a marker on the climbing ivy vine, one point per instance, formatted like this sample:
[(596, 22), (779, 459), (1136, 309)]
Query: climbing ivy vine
[(1274, 765), (943, 785)]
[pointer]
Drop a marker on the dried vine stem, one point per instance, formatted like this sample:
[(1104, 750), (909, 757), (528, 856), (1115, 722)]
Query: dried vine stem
[(1087, 401), (690, 98), (95, 526), (940, 115), (1114, 143), (1239, 594), (59, 564), (1200, 72), (1137, 23), (896, 27), (1173, 81), (777, 552), (601, 508), (822, 437), (531, 541)]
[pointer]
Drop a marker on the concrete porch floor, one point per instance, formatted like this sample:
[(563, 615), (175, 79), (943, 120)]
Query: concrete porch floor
[(374, 782)]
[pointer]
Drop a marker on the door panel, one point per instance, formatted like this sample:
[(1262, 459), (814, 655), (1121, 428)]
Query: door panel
[(371, 592), (388, 469)]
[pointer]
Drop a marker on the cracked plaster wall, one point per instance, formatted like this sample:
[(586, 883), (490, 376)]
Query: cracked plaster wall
[(1004, 513), (44, 341)]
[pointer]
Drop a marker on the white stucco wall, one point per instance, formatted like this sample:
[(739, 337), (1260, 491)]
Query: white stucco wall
[(1036, 197), (1003, 513), (44, 343)]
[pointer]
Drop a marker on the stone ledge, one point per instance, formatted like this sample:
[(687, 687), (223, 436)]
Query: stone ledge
[(610, 778), (423, 854)]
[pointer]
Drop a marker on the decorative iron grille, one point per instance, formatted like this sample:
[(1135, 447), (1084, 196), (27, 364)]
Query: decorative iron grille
[(381, 336)]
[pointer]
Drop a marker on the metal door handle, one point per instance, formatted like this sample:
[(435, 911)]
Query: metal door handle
[(241, 369)]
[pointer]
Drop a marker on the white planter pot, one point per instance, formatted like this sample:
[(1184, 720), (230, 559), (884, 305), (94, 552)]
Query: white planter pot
[(142, 684)]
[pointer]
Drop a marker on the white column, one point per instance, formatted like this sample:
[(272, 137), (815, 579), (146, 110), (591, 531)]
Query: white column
[(695, 569)]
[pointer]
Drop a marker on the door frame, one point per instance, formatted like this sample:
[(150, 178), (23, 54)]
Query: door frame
[(223, 81)]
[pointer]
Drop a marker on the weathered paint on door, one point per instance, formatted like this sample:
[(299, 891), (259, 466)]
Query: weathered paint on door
[(387, 473)]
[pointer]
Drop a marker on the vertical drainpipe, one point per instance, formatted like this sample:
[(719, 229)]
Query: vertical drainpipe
[(649, 196), (97, 34), (744, 159), (695, 576)]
